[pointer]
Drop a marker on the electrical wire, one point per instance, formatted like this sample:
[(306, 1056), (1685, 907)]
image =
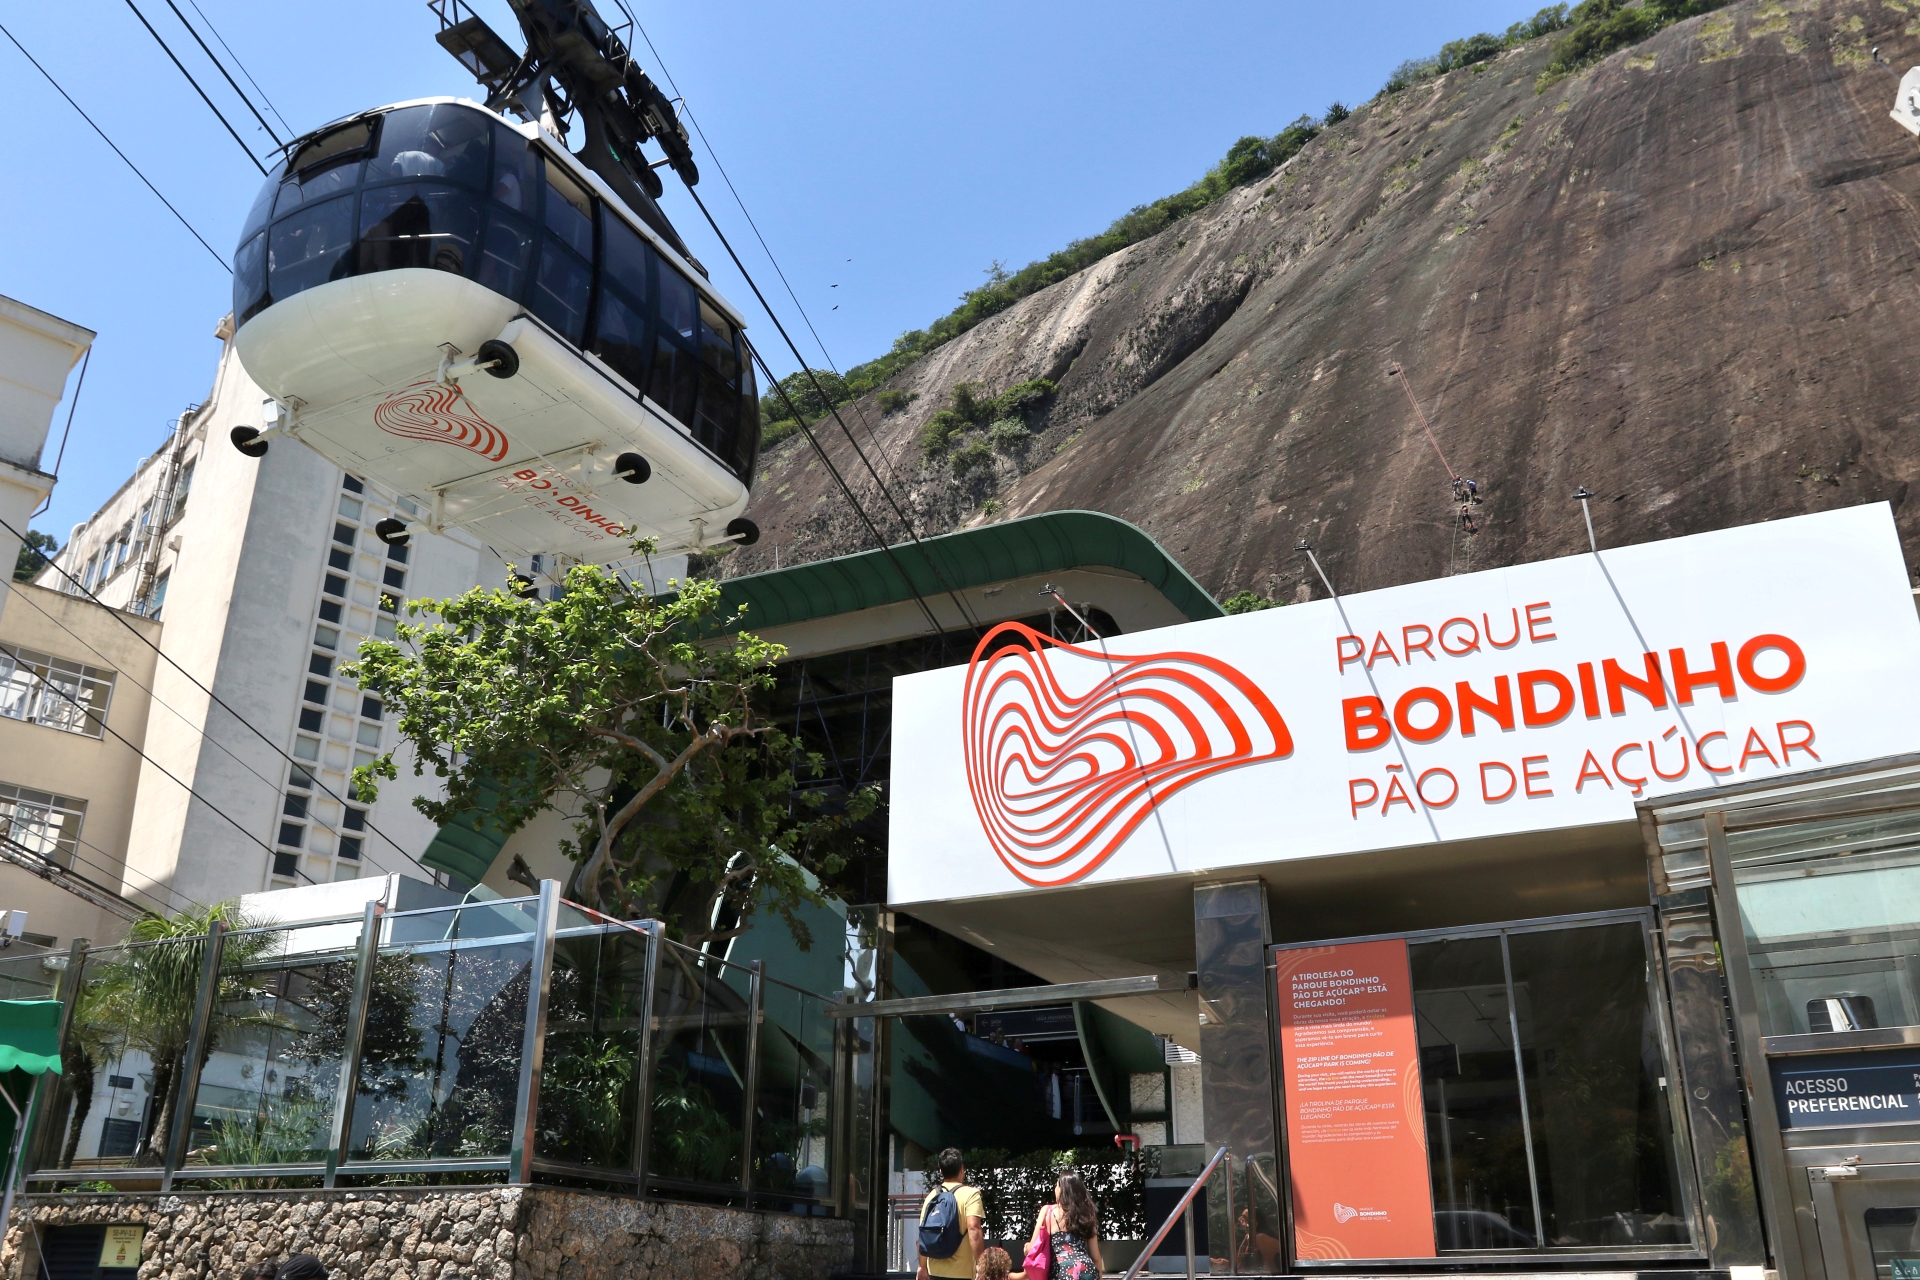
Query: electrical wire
[(196, 87), (243, 67), (273, 784), (222, 69), (59, 457), (116, 150), (217, 699)]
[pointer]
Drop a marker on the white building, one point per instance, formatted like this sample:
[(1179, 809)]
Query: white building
[(37, 352), (264, 576)]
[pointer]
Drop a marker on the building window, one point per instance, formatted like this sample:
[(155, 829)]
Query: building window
[(389, 602), (326, 637), (298, 777), (343, 533), (395, 577), (57, 693), (286, 865), (342, 559), (370, 708), (320, 664), (291, 834), (383, 628), (181, 488), (335, 585), (369, 735), (306, 748), (310, 719), (159, 595), (355, 820), (350, 847), (397, 553), (330, 611), (351, 485), (294, 806), (316, 692), (42, 822), (350, 508)]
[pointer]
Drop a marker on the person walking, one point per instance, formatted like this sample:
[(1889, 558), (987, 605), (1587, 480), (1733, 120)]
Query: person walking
[(1072, 1226), (952, 1224)]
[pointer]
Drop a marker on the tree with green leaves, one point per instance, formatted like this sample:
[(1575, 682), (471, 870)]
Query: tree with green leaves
[(35, 551), (636, 717)]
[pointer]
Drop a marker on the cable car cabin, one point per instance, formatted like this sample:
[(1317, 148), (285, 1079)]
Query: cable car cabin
[(453, 307)]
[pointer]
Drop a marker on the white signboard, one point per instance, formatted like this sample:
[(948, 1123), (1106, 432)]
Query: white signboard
[(1541, 697)]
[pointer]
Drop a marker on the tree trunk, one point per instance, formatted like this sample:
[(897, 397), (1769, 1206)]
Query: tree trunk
[(77, 1065), (164, 1088)]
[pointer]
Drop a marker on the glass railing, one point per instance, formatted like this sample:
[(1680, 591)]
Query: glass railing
[(325, 1055)]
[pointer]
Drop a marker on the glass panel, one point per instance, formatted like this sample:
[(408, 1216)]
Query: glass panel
[(569, 211), (1602, 1131), (719, 411), (700, 1053), (716, 342), (250, 279), (1894, 1236), (503, 260), (589, 1085), (305, 250), (621, 338), (447, 141), (415, 225), (560, 294), (676, 380), (516, 171), (262, 204), (30, 977), (746, 441), (1482, 1195), (678, 305), (791, 1127), (440, 1062), (1831, 911), (267, 1091), (626, 258), (316, 187), (326, 147)]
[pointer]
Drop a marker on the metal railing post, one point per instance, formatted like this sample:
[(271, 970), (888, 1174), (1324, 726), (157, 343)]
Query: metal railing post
[(1188, 1216), (756, 996), (840, 1108), (186, 1090), (340, 1135), (45, 1122), (643, 1082), (533, 1045), (1183, 1208)]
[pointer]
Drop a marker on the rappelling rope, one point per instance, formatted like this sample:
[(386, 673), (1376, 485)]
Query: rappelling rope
[(1401, 373)]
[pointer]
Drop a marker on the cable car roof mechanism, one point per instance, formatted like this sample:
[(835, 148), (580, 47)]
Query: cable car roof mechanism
[(443, 299)]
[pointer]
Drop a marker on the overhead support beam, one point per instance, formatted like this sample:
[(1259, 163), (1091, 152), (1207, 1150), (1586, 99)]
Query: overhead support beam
[(1011, 998)]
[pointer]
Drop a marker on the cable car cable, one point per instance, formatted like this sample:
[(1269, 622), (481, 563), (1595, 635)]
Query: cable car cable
[(197, 89), (687, 110), (216, 698), (243, 66), (273, 784), (225, 266), (222, 69), (885, 492)]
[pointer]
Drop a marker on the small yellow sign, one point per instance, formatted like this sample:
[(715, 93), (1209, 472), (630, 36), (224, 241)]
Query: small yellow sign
[(122, 1247)]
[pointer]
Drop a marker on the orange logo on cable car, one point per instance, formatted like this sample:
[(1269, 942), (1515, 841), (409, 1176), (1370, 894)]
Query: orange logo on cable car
[(435, 411), (1061, 778)]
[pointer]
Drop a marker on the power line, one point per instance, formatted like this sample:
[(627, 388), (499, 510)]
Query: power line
[(273, 784), (243, 67), (217, 699), (196, 87), (117, 151), (88, 890), (222, 69)]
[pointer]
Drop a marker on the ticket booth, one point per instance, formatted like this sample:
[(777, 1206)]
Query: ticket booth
[(1813, 886)]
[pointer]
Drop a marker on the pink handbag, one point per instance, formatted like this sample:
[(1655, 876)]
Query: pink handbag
[(1039, 1260)]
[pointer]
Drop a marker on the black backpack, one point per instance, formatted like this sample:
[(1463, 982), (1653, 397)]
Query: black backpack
[(940, 1229)]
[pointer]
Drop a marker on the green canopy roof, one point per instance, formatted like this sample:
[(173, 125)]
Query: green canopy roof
[(30, 1036)]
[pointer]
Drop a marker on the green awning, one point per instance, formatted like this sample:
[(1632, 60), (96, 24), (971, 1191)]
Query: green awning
[(1050, 543), (30, 1036), (467, 846)]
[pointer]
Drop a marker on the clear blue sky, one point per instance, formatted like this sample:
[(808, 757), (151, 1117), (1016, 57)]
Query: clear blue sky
[(894, 151)]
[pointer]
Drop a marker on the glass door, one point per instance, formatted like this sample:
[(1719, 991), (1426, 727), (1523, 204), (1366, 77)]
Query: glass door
[(1869, 1220)]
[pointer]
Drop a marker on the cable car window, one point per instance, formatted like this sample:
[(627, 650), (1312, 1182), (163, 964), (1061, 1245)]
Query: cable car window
[(305, 250), (676, 380), (317, 186), (621, 338), (447, 141), (677, 310), (507, 250), (719, 409), (516, 171), (250, 295), (746, 445), (348, 140), (415, 225), (624, 255), (569, 211), (716, 342), (262, 205), (561, 291)]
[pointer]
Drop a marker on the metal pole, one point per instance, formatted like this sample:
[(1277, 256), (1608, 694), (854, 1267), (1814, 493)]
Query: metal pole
[(186, 1089), (840, 1126), (756, 997), (643, 1085), (340, 1136), (1189, 1224), (526, 1105), (1233, 1225), (1520, 1078), (13, 1156), (1583, 497), (44, 1122)]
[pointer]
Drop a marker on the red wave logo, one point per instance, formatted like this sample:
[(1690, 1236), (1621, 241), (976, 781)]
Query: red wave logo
[(1063, 770), (434, 411)]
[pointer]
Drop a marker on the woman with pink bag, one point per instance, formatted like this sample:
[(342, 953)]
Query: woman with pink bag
[(1066, 1235)]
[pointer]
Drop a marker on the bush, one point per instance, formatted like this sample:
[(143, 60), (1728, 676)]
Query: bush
[(894, 401), (1019, 398), (939, 430), (1597, 28), (1249, 601), (1008, 434), (973, 454), (1456, 54), (800, 391), (774, 432), (1336, 112)]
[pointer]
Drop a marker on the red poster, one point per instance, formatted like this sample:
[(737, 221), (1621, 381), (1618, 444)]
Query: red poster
[(1356, 1131)]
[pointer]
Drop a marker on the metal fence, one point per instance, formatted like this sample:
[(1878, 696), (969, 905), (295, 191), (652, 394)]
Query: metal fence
[(520, 1040)]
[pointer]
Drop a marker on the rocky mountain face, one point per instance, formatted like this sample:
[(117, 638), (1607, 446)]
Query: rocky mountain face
[(1683, 278)]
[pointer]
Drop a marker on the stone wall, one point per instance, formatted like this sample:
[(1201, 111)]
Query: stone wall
[(491, 1233)]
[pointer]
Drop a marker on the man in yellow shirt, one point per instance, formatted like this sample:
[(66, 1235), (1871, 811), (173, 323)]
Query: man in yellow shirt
[(973, 1242)]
